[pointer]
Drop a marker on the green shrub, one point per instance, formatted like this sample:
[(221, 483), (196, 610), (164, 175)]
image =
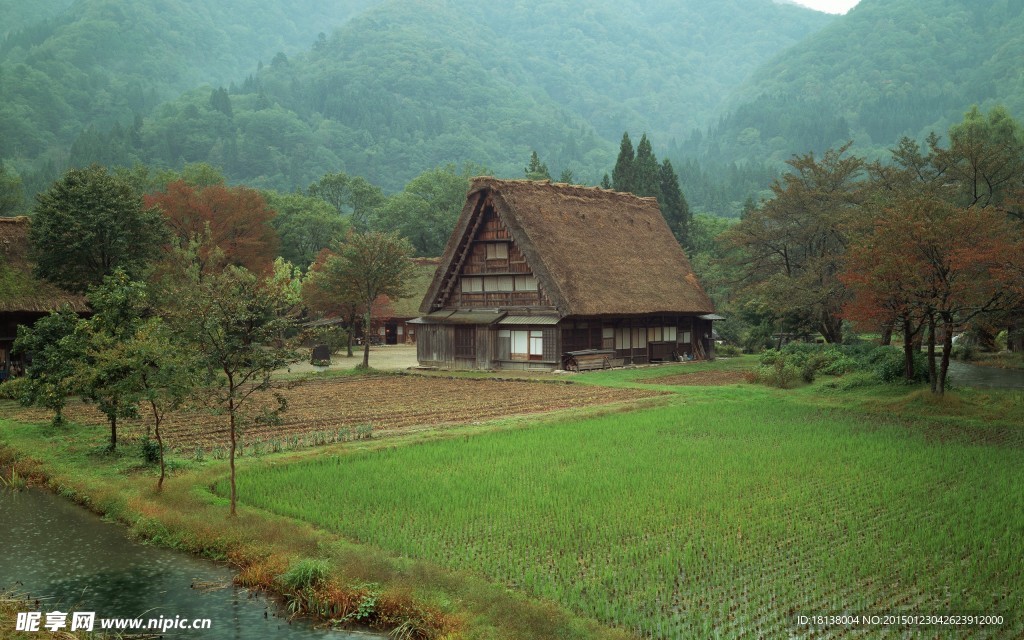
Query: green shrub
[(304, 573), (782, 374), (150, 450), (727, 351)]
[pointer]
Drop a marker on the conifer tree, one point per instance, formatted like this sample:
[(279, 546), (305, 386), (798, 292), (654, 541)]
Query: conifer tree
[(622, 174), (537, 169), (673, 203), (606, 182), (646, 179)]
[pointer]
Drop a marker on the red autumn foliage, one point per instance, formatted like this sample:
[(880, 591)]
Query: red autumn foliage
[(238, 219)]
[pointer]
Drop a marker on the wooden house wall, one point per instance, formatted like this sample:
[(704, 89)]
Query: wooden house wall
[(492, 232), (604, 333)]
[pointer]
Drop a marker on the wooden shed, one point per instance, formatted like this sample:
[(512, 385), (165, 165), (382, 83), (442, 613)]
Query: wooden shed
[(535, 270), (24, 298)]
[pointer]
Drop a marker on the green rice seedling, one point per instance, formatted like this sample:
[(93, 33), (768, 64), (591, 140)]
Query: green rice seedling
[(701, 519)]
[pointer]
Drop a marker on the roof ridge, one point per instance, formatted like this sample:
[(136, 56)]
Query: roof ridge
[(490, 180)]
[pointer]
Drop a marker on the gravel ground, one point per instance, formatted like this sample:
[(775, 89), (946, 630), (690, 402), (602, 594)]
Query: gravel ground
[(388, 357)]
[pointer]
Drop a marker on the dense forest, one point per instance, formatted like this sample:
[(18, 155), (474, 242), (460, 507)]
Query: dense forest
[(888, 68), (397, 89), (277, 96)]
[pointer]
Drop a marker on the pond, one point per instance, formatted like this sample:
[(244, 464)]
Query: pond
[(74, 561), (970, 375)]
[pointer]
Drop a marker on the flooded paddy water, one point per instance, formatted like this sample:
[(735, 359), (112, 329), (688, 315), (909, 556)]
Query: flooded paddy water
[(72, 560)]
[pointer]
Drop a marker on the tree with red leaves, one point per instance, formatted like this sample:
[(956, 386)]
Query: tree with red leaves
[(238, 220)]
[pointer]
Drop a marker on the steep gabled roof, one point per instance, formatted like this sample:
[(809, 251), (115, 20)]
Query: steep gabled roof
[(595, 252), (20, 290)]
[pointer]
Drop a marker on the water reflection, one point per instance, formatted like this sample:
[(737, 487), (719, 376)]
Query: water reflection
[(969, 375), (56, 549)]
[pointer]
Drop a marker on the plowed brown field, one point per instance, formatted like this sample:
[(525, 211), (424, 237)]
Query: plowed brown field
[(388, 403)]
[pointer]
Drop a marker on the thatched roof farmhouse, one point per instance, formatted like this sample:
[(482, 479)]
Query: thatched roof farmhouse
[(536, 272)]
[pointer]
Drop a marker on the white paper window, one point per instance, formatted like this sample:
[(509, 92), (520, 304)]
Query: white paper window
[(639, 338), (520, 341), (401, 330), (504, 333), (670, 334), (686, 337), (497, 251), (622, 338), (607, 332), (472, 285), (654, 334), (526, 283), (537, 343)]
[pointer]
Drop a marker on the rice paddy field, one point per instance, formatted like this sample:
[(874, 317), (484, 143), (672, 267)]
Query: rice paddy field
[(729, 513)]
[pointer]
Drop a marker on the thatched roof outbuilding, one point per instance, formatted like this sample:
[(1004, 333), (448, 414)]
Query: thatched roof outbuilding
[(20, 290), (596, 252)]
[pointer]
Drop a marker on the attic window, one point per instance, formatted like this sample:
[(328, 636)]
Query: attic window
[(498, 251), (472, 285)]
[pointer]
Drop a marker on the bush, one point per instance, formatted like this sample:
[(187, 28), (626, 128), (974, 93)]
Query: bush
[(781, 374), (304, 573), (150, 450), (727, 351), (809, 360)]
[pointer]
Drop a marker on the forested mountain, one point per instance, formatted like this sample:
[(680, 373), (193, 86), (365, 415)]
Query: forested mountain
[(403, 87), (888, 68), (94, 63)]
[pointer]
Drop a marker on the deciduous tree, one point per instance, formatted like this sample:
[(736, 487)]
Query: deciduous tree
[(232, 320), (89, 223), (791, 249), (366, 268), (238, 219)]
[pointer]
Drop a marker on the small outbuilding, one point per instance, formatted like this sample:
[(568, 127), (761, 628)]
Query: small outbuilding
[(24, 298), (544, 276)]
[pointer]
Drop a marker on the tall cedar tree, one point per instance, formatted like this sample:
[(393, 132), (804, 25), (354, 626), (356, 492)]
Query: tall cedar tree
[(238, 219), (646, 180), (622, 174), (365, 268), (233, 320), (673, 204), (89, 223)]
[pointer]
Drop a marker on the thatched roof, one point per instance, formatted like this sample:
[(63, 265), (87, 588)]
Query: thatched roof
[(417, 286), (20, 290), (596, 252)]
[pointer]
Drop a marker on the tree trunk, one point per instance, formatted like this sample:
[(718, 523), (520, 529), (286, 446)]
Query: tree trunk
[(160, 446), (932, 379), (351, 332), (947, 347), (832, 329), (887, 334), (1015, 334), (366, 341), (234, 441), (908, 350)]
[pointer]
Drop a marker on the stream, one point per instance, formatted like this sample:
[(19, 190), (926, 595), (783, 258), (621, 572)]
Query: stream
[(74, 561), (970, 375)]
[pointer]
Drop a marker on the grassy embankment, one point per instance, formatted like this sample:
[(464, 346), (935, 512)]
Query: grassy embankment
[(721, 509)]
